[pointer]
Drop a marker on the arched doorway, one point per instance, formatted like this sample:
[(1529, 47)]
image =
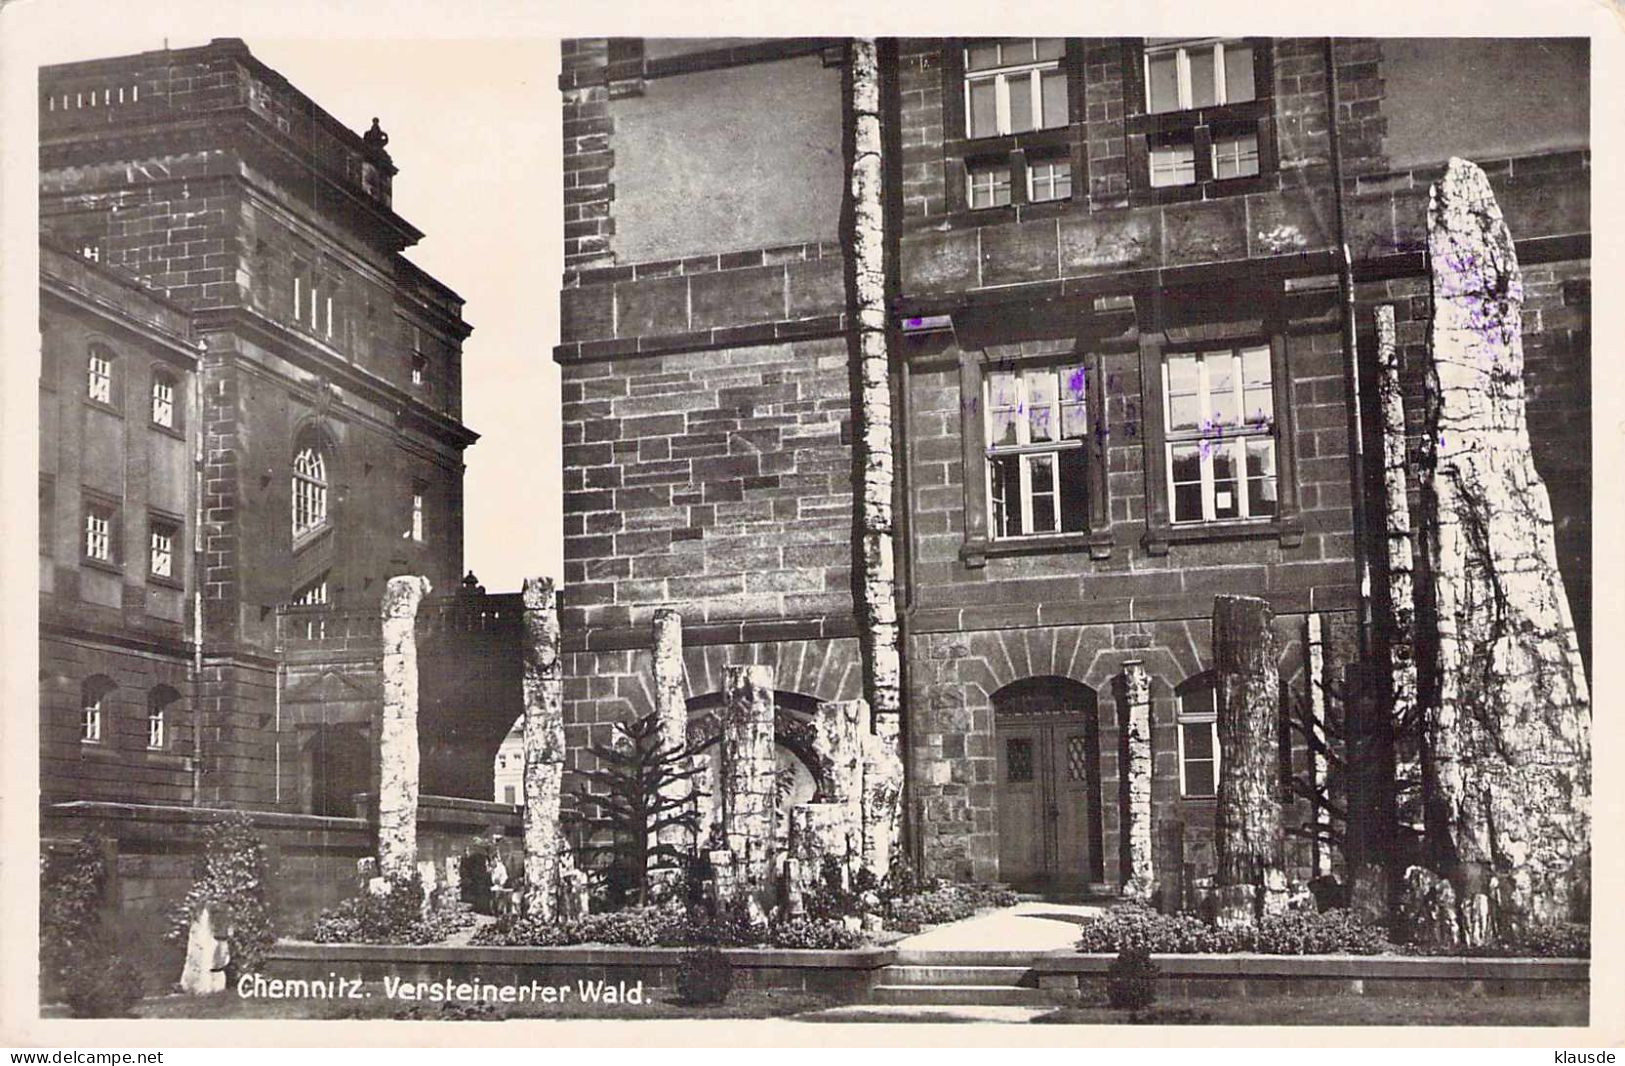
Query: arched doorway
[(1047, 784), (337, 766)]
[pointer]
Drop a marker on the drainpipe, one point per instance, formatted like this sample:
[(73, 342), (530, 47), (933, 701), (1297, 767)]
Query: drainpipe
[(1351, 365), (198, 423)]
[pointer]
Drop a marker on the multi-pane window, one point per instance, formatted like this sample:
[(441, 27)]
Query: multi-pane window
[(1235, 156), (1198, 737), (313, 594), (1186, 73), (987, 184), (1172, 163), (419, 490), (1037, 424), (1049, 179), (420, 365), (99, 375), (163, 400), (99, 541), (158, 703), (93, 703), (161, 549), (1014, 85), (309, 490), (1220, 434)]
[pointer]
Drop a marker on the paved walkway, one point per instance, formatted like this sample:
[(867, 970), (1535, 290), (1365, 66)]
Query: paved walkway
[(1033, 926)]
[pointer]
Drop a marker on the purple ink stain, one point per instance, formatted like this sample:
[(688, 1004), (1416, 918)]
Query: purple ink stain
[(1076, 383)]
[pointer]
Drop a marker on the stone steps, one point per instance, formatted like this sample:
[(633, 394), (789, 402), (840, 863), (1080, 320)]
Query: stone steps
[(983, 976), (938, 978), (960, 995)]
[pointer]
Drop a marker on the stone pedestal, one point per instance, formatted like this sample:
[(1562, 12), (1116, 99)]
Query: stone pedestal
[(398, 731), (544, 746)]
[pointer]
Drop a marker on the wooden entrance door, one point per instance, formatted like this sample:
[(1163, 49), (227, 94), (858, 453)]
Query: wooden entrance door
[(1047, 789)]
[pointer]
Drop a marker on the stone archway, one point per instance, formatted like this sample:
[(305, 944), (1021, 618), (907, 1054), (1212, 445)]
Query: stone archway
[(798, 771)]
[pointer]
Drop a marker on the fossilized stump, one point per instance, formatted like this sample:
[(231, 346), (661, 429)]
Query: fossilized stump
[(544, 746), (398, 732), (749, 800), (837, 747), (882, 792), (1137, 685), (203, 972), (1315, 666), (1401, 637), (1247, 821), (671, 710), (1508, 722), (819, 831)]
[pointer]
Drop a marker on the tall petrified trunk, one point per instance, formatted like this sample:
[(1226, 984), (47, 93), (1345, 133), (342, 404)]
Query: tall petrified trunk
[(1137, 685), (878, 607), (544, 746), (1401, 631), (398, 733), (1247, 821), (749, 806), (1508, 721), (882, 794), (1319, 766), (671, 711)]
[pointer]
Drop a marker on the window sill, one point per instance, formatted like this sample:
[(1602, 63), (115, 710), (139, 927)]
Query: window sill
[(1287, 528), (104, 408), (168, 431), (1212, 189), (97, 749), (975, 553), (103, 565), (166, 582), (303, 541)]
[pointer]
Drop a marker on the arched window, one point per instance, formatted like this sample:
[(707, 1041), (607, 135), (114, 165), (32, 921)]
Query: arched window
[(99, 375), (165, 400), (1198, 736), (158, 717), (309, 487), (94, 707)]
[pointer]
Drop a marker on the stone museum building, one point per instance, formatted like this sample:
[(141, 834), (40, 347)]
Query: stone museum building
[(1130, 294)]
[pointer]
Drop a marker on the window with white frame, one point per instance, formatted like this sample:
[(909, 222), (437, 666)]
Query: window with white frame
[(163, 400), (1172, 163), (987, 184), (1037, 426), (1235, 155), (1182, 74), (313, 594), (161, 539), (1014, 85), (159, 701), (309, 489), (419, 490), (99, 375), (1219, 411), (94, 700), (1049, 179), (100, 543), (1198, 737)]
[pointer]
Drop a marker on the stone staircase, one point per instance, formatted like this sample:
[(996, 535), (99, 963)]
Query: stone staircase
[(942, 978)]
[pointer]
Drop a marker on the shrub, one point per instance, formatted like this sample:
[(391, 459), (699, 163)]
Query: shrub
[(72, 881), (830, 899), (102, 986), (231, 874), (704, 977), (635, 926), (396, 917), (1319, 933), (1557, 940), (948, 903), (1131, 980), (813, 933), (900, 881)]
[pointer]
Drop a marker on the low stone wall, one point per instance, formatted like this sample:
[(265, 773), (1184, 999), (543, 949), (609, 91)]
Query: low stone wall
[(842, 975), (1191, 977)]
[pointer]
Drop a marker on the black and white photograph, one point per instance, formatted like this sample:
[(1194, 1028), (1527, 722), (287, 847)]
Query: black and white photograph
[(827, 536)]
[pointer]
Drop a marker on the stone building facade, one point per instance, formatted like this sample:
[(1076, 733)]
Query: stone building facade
[(1130, 374), (251, 418)]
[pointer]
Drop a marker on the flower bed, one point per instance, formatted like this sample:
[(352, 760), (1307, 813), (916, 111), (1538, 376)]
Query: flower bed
[(668, 926)]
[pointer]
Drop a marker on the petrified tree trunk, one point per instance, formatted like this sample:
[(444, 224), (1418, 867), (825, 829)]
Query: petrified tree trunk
[(749, 804), (671, 710), (837, 745), (1319, 767), (544, 747), (1137, 684), (1508, 722), (882, 793), (878, 607), (398, 732), (819, 831), (1247, 822), (1401, 636)]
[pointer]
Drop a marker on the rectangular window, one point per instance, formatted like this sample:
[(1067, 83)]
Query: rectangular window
[(156, 736), (1182, 74), (508, 794), (163, 403), (298, 291), (1049, 179), (99, 544), (1037, 425), (1219, 411), (161, 549), (90, 722), (1014, 85), (987, 185), (1018, 759), (420, 365), (1198, 740), (1234, 156), (313, 594), (99, 379), (1173, 163), (418, 492)]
